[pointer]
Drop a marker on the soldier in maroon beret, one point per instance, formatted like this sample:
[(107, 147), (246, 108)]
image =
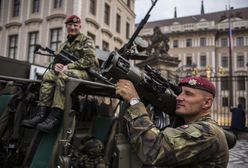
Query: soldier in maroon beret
[(199, 142), (73, 19), (52, 90)]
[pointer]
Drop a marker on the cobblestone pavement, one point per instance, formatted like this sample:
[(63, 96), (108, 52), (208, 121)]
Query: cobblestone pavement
[(238, 156)]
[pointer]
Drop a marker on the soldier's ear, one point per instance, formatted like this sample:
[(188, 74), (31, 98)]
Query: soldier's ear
[(207, 103)]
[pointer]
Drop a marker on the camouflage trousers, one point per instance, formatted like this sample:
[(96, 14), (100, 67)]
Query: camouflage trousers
[(52, 90)]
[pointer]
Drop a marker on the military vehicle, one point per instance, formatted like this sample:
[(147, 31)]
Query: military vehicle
[(93, 132)]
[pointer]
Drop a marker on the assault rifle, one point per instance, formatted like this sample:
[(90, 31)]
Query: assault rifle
[(64, 58)]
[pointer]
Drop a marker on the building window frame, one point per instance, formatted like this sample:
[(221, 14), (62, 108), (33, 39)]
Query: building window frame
[(224, 61), (189, 61), (12, 46), (127, 30), (241, 83), (1, 10), (223, 42), (55, 38), (106, 14), (35, 6), (203, 41), (57, 4), (240, 61), (189, 42), (175, 43), (32, 41), (105, 45), (240, 41), (118, 23), (93, 6), (203, 60), (129, 3), (16, 8)]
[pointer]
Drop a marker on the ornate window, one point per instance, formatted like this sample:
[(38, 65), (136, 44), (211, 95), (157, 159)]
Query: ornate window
[(203, 41), (32, 41), (55, 38), (240, 41), (105, 46), (12, 50), (188, 42), (106, 14), (223, 42), (118, 23), (240, 61), (127, 30), (224, 61), (93, 7), (203, 60), (57, 4), (16, 8), (36, 6)]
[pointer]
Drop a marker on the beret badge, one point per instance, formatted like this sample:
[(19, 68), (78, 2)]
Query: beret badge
[(75, 20), (192, 82)]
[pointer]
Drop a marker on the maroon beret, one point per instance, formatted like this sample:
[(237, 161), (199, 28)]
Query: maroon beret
[(198, 83), (73, 19)]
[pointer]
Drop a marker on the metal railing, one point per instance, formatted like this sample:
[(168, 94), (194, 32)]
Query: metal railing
[(222, 104)]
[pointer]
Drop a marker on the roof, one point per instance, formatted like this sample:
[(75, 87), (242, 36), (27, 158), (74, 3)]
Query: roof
[(216, 17)]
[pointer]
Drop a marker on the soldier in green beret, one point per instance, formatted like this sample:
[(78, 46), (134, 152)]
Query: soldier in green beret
[(200, 142), (52, 90)]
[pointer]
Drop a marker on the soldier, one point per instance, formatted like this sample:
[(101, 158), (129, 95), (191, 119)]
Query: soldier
[(198, 143), (51, 98)]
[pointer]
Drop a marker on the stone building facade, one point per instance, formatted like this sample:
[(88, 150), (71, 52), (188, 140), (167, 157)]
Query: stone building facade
[(201, 41), (24, 23)]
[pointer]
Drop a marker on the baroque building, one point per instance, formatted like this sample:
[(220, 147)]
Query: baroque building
[(202, 40), (24, 23)]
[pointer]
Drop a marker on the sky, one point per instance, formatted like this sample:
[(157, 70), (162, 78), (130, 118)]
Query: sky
[(164, 9)]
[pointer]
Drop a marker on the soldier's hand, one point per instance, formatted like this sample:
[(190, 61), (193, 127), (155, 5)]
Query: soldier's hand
[(58, 67), (126, 90), (64, 68)]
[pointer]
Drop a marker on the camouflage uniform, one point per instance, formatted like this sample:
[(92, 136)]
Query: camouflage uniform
[(199, 144), (53, 83)]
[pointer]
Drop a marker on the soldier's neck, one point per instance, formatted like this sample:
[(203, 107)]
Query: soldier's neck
[(193, 118)]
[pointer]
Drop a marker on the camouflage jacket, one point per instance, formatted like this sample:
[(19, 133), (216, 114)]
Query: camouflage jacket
[(83, 48), (198, 144)]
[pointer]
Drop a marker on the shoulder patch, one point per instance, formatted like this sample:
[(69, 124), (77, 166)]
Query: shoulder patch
[(184, 126), (190, 131)]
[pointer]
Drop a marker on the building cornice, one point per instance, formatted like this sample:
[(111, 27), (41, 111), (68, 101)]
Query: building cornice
[(58, 15), (118, 39), (11, 24), (107, 32), (92, 21), (32, 20), (125, 6)]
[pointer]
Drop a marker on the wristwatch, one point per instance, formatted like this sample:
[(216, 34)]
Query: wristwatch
[(134, 101)]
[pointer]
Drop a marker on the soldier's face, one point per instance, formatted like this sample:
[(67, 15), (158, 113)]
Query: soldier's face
[(73, 28), (192, 102)]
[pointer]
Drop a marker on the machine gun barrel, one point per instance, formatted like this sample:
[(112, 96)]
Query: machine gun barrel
[(127, 46)]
